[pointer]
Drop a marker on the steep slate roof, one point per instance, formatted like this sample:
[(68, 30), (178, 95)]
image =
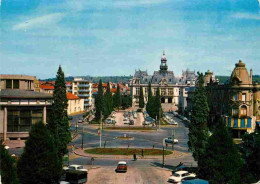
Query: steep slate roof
[(17, 93)]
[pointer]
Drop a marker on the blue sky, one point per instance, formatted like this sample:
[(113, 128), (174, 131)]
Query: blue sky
[(115, 37)]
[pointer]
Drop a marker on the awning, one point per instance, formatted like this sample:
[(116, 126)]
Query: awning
[(239, 123)]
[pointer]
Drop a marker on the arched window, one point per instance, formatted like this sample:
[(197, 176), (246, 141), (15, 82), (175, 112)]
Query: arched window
[(243, 110)]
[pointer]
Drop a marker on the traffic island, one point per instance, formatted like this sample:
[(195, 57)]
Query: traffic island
[(127, 151), (142, 129), (124, 153)]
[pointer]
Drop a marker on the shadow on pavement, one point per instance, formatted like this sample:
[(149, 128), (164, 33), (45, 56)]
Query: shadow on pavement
[(157, 164)]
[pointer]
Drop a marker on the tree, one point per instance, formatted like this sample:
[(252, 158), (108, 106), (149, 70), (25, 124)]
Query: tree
[(8, 167), (198, 131), (250, 154), (157, 104), (149, 106), (108, 101), (99, 101), (39, 163), (221, 161), (117, 98), (141, 98), (126, 101), (59, 124)]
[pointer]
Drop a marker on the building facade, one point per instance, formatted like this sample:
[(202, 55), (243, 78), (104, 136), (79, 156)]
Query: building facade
[(237, 101), (169, 85), (75, 104), (83, 89), (21, 106)]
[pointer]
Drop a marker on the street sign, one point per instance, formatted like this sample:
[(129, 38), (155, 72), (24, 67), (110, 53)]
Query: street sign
[(98, 132)]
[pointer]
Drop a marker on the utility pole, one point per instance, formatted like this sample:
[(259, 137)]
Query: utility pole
[(77, 125), (159, 118), (163, 158), (82, 140), (173, 132)]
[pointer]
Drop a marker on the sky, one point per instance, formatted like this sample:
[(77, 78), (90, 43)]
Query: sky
[(117, 37)]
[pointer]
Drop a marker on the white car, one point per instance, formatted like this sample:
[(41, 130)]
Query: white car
[(110, 121), (172, 122), (75, 167), (179, 175), (185, 119), (169, 140)]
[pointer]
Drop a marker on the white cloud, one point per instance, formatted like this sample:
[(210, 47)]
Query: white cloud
[(37, 22), (246, 16)]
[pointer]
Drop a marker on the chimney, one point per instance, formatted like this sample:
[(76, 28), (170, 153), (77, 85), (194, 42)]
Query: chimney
[(251, 75)]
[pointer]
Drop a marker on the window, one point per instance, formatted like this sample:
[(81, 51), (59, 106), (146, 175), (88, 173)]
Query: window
[(170, 91), (235, 112), (137, 91), (235, 97), (16, 84), (8, 84), (163, 91), (244, 97), (243, 110)]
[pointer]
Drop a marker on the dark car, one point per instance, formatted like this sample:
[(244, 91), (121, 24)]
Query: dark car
[(70, 118), (131, 122), (139, 110)]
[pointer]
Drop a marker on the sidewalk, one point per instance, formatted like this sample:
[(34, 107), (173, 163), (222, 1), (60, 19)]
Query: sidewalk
[(176, 154)]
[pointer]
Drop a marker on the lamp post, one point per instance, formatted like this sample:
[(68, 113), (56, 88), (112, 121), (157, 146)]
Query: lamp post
[(163, 161), (82, 140)]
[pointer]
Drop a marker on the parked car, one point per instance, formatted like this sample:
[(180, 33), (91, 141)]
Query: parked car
[(121, 167), (126, 121), (139, 110), (135, 115), (110, 121), (195, 181), (172, 122), (179, 175), (80, 121), (148, 120), (74, 168), (169, 140), (185, 119), (70, 118), (132, 122), (77, 177)]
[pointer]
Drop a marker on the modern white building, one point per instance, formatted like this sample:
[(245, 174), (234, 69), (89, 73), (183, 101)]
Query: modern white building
[(83, 89)]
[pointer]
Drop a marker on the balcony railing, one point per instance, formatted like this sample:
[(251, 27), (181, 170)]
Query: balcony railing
[(83, 85), (83, 90), (83, 95)]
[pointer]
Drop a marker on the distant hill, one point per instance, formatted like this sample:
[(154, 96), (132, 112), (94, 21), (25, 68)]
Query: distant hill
[(125, 79), (223, 79), (115, 79)]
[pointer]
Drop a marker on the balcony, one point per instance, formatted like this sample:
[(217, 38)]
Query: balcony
[(83, 95), (83, 90), (86, 100), (84, 85)]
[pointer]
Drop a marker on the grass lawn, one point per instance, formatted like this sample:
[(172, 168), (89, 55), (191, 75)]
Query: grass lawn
[(125, 151), (130, 128)]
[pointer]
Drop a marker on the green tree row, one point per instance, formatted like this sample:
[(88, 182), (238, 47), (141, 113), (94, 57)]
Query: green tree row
[(153, 106)]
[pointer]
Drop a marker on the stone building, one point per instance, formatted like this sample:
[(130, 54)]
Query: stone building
[(165, 80), (237, 101), (21, 106)]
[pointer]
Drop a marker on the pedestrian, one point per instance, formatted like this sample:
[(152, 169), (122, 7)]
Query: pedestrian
[(142, 152), (134, 157)]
